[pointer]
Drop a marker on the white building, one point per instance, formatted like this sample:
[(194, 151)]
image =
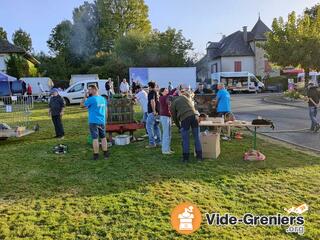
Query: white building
[(237, 52), (7, 49)]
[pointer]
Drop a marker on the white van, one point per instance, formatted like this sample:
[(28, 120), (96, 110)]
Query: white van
[(75, 93), (83, 77), (40, 85), (238, 81)]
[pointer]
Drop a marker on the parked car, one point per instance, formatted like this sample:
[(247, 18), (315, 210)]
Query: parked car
[(274, 88), (75, 93)]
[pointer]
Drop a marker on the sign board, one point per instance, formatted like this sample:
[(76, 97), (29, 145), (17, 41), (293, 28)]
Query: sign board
[(290, 84), (185, 76), (8, 108)]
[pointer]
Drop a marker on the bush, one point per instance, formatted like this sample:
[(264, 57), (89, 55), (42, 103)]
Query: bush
[(293, 94)]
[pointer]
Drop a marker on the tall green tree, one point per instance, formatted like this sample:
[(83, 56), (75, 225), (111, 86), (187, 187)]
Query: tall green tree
[(17, 66), (3, 34), (118, 18), (295, 42), (173, 47), (59, 40), (312, 12), (22, 39)]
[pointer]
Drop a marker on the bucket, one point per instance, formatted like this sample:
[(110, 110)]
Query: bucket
[(122, 140)]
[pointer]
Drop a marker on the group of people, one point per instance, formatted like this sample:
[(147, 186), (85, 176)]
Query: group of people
[(160, 107), (97, 114), (166, 105)]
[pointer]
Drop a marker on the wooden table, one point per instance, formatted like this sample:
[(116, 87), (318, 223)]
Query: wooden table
[(239, 124), (7, 133)]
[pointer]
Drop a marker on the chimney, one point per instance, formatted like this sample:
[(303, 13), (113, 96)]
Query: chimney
[(245, 34)]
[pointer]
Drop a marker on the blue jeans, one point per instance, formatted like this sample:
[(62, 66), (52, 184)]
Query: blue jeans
[(186, 124), (144, 120), (153, 130), (313, 116), (144, 117), (166, 133)]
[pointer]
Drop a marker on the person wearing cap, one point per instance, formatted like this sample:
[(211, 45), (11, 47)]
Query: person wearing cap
[(56, 111), (313, 98)]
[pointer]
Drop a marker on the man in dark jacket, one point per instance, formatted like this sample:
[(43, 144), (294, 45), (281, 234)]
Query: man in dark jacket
[(185, 117), (313, 102), (56, 110), (202, 90)]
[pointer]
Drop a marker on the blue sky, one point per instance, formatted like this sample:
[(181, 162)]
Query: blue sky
[(200, 20)]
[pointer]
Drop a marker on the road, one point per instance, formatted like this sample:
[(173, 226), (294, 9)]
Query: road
[(285, 118)]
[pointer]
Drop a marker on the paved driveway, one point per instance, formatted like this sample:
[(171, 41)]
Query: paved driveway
[(286, 118)]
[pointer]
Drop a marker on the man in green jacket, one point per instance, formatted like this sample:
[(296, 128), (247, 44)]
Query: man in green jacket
[(185, 117)]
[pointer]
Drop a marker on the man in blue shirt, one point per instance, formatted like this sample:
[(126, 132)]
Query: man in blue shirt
[(96, 106), (223, 101)]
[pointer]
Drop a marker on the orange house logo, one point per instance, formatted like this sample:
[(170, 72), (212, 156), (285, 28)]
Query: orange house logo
[(186, 218)]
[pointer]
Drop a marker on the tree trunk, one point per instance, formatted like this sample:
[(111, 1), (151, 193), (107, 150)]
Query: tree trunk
[(306, 76)]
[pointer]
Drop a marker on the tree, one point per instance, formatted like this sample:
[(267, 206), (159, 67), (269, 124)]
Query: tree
[(312, 12), (59, 41), (3, 34), (55, 67), (22, 39), (173, 47), (17, 66), (84, 34), (109, 36), (295, 42), (118, 18)]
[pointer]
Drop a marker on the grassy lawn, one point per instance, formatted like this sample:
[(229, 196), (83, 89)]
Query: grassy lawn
[(130, 196)]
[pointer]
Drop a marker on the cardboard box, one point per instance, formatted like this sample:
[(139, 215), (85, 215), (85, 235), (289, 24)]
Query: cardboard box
[(210, 143)]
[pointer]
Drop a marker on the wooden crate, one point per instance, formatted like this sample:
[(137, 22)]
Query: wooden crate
[(205, 103), (120, 110)]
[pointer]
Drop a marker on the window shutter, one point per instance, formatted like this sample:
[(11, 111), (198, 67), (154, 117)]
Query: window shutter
[(237, 66)]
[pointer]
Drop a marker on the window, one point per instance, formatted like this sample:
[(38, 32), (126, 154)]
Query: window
[(92, 83), (237, 66), (77, 88), (214, 68)]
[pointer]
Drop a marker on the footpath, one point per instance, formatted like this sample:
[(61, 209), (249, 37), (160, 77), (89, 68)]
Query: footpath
[(281, 100)]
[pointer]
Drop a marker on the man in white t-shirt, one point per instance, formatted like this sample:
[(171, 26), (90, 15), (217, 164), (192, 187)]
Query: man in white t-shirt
[(124, 87), (142, 98)]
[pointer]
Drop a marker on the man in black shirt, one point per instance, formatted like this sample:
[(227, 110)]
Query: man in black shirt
[(152, 119), (202, 90), (56, 110), (313, 102)]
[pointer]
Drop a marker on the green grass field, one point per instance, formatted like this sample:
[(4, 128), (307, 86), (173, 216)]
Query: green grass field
[(131, 195)]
